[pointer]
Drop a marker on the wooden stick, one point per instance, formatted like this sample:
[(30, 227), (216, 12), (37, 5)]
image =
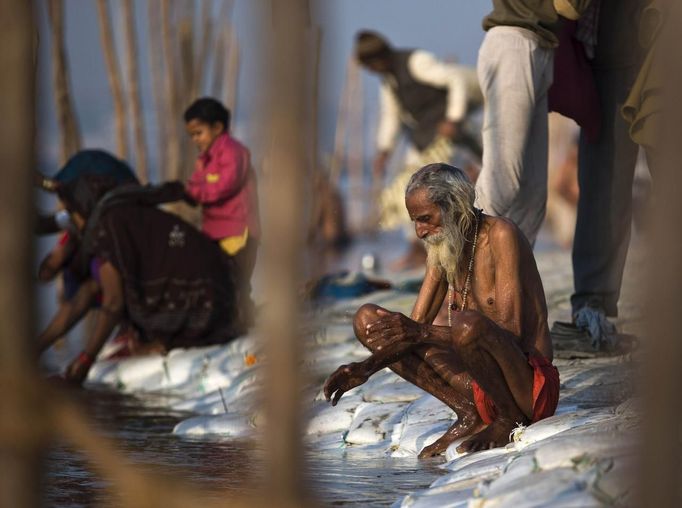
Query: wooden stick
[(114, 75), (170, 113), (70, 139), (21, 428), (339, 155), (135, 100), (283, 240), (232, 74), (158, 88), (357, 188), (201, 60)]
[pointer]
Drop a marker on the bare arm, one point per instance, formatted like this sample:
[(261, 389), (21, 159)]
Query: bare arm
[(111, 310), (107, 318), (431, 296), (68, 314), (505, 246)]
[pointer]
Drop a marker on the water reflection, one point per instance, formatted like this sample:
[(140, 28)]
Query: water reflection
[(142, 430)]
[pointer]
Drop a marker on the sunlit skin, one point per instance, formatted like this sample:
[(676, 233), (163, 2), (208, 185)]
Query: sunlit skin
[(203, 134), (506, 318), (70, 312)]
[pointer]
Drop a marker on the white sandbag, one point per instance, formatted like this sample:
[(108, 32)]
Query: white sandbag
[(103, 372), (614, 485), (373, 422), (566, 450), (325, 442), (447, 496), (207, 404), (542, 488), (325, 418), (334, 334), (242, 346), (245, 380), (139, 373), (483, 462), (414, 438), (424, 421), (560, 423), (228, 426)]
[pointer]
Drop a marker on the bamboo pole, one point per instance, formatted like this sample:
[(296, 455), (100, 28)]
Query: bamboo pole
[(187, 65), (660, 461), (21, 419), (134, 98), (232, 73), (356, 188), (158, 89), (187, 79), (70, 140), (316, 45), (221, 46), (218, 74), (201, 60), (114, 76), (283, 240), (172, 141), (339, 156)]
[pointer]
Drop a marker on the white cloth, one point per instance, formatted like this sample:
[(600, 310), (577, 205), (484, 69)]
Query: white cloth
[(460, 81), (515, 73)]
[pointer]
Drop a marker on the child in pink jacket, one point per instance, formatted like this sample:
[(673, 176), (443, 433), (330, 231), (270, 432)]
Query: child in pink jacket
[(224, 184)]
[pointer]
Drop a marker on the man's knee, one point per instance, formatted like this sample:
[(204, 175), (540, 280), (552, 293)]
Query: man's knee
[(365, 315), (467, 329)]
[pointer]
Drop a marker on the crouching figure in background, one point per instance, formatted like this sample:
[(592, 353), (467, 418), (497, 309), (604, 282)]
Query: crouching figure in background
[(152, 270)]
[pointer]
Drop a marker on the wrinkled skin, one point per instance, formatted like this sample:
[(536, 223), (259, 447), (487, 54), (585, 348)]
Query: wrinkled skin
[(486, 342), (345, 378)]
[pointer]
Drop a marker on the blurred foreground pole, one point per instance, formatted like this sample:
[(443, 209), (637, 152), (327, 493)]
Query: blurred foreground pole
[(282, 240), (19, 430), (661, 471)]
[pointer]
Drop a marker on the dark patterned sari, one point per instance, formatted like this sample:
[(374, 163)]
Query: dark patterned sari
[(179, 286)]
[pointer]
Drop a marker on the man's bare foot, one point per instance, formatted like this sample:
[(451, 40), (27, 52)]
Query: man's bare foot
[(494, 435), (464, 426)]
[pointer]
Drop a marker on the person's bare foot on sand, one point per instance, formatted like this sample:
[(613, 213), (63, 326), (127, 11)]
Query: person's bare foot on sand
[(494, 435), (465, 425)]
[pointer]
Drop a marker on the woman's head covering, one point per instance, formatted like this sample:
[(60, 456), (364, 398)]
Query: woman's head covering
[(89, 175)]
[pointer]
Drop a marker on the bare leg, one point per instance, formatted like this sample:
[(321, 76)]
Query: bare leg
[(493, 358), (435, 371)]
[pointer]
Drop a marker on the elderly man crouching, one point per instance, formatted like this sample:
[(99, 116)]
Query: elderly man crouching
[(492, 363)]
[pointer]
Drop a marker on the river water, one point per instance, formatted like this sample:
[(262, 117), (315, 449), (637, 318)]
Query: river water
[(142, 430)]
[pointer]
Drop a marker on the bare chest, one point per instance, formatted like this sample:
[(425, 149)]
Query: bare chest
[(480, 293)]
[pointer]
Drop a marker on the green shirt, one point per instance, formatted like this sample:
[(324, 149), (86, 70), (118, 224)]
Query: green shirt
[(538, 16)]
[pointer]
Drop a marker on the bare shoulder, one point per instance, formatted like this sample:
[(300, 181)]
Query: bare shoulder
[(503, 233)]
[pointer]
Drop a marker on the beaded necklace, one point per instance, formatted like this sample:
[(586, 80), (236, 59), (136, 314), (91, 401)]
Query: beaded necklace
[(465, 291)]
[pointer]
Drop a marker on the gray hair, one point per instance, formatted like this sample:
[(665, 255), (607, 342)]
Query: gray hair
[(448, 188)]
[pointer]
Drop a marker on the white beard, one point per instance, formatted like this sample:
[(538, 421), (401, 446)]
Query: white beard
[(444, 251)]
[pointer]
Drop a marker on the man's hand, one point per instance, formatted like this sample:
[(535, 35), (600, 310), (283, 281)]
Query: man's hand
[(448, 129), (343, 379), (393, 331)]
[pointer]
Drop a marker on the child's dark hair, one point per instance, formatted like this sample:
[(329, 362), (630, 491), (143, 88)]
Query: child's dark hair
[(208, 110)]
